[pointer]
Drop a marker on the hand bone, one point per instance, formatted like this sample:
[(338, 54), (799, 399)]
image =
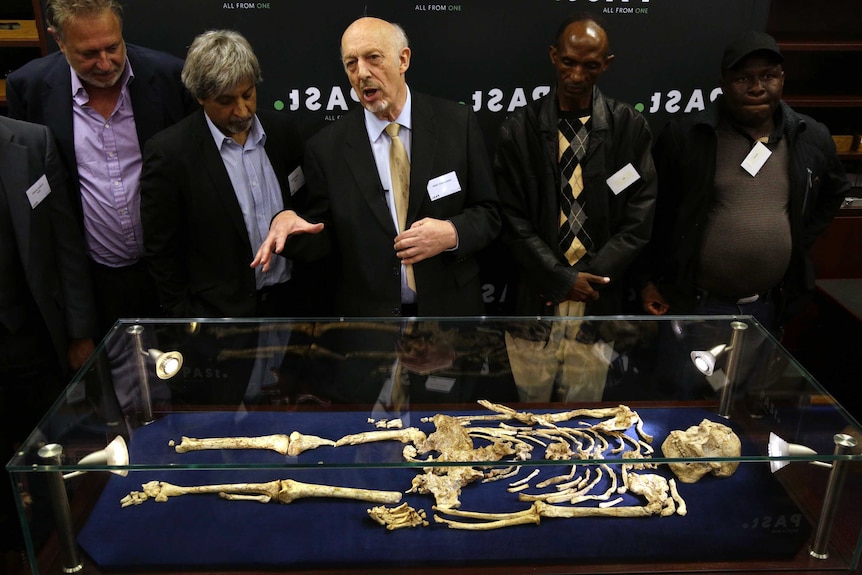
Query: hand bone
[(398, 517)]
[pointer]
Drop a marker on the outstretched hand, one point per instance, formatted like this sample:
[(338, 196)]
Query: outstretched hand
[(583, 289), (284, 225)]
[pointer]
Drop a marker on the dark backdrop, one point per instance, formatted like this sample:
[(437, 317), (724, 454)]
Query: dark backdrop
[(489, 54)]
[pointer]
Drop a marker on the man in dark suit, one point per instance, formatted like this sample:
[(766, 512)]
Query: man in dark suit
[(421, 260), (46, 307), (103, 100), (211, 185)]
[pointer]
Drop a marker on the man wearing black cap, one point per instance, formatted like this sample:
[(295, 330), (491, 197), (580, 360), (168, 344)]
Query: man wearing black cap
[(745, 188)]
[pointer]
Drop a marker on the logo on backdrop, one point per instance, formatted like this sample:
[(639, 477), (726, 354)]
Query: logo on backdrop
[(337, 99)]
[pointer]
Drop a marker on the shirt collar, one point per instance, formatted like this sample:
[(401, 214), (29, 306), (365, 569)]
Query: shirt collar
[(78, 89), (256, 137), (375, 125)]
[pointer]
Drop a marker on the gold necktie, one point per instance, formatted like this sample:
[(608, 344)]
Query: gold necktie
[(399, 168)]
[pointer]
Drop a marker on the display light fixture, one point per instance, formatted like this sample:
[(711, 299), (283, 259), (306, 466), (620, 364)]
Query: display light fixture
[(116, 453), (705, 362), (778, 447), (168, 364)]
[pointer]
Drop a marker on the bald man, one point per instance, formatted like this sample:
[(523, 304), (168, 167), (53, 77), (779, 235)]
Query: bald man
[(419, 263), (577, 188)]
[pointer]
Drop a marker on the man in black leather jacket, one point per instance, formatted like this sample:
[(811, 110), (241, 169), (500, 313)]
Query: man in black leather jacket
[(618, 215), (573, 226), (733, 230)]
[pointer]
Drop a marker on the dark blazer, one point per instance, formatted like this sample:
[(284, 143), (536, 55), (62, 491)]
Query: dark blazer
[(48, 241), (195, 239), (345, 193), (41, 92)]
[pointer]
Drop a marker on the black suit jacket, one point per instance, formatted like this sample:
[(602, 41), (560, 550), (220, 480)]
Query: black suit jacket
[(195, 239), (49, 244), (345, 193), (41, 92)]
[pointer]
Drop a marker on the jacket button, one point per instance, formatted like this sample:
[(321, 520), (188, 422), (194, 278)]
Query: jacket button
[(396, 270), (396, 311)]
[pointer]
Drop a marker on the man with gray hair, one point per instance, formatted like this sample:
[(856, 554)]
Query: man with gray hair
[(212, 183), (103, 99)]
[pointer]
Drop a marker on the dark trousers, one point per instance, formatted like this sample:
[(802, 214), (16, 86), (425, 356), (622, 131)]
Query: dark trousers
[(30, 381), (123, 292)]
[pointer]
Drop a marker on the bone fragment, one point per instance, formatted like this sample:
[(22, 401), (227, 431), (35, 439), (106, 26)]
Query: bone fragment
[(524, 480), (300, 443), (406, 435), (398, 517), (278, 443), (504, 520), (706, 440), (282, 491), (610, 503), (681, 508)]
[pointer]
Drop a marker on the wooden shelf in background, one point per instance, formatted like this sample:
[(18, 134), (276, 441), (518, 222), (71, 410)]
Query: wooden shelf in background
[(27, 36), (824, 101), (820, 45)]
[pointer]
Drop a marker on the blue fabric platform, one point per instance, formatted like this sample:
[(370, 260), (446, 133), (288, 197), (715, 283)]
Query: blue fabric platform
[(725, 520)]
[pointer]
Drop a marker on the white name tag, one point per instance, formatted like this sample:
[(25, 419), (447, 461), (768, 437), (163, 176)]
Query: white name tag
[(296, 180), (439, 384), (756, 158), (38, 191), (443, 186), (623, 178)]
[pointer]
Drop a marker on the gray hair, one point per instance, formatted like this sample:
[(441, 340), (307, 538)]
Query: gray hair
[(399, 39), (217, 62), (58, 12)]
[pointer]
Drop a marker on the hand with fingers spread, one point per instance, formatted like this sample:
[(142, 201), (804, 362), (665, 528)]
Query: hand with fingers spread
[(284, 225)]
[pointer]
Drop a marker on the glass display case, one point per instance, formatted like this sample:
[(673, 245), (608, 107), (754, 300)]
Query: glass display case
[(485, 445)]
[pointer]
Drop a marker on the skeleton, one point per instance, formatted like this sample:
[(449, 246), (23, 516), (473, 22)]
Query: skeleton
[(280, 490), (398, 517), (291, 445), (707, 440), (453, 442)]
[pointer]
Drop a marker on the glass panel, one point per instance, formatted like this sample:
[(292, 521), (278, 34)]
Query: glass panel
[(570, 432)]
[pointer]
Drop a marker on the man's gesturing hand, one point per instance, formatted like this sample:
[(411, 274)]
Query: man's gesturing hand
[(284, 225)]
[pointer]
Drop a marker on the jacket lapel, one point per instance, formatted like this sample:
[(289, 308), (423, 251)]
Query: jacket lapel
[(423, 146), (14, 173), (216, 173), (360, 159)]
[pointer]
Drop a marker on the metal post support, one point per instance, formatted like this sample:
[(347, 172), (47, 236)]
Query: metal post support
[(137, 331), (820, 547), (734, 352), (52, 454)]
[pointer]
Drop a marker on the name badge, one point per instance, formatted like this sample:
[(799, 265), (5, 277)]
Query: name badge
[(623, 178), (439, 384), (443, 186), (296, 180), (38, 191), (756, 158)]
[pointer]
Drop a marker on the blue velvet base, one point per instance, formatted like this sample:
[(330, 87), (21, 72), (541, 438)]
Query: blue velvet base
[(747, 516)]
